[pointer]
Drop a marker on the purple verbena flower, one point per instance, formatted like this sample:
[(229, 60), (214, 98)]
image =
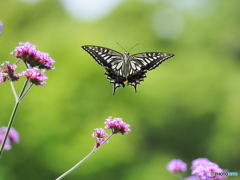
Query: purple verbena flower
[(3, 77), (44, 61), (199, 161), (176, 165), (202, 168), (8, 72), (13, 136), (117, 125), (1, 25), (100, 141), (100, 135), (28, 53), (36, 76), (7, 145), (25, 51)]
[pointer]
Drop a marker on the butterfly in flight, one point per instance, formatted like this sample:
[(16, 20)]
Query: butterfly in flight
[(122, 68)]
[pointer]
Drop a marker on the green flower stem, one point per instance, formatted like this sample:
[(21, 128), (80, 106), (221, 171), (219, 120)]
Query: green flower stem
[(9, 126), (22, 94), (74, 167), (84, 159), (23, 90), (14, 91)]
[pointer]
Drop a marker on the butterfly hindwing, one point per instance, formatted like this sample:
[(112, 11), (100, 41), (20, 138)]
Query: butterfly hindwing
[(117, 80), (142, 62), (112, 61)]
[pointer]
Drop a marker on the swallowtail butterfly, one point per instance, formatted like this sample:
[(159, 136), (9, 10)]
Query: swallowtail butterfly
[(122, 68)]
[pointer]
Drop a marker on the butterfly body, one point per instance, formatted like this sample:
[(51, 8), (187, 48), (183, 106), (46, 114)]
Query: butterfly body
[(122, 68)]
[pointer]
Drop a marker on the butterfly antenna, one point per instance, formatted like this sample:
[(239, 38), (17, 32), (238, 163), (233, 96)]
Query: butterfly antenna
[(133, 47), (121, 47)]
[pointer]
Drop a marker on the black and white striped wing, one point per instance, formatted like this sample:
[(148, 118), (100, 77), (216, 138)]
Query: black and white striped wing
[(105, 56), (112, 61), (143, 62), (149, 60)]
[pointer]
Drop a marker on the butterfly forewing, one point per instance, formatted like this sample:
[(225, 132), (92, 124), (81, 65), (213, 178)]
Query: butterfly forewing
[(104, 56), (150, 60)]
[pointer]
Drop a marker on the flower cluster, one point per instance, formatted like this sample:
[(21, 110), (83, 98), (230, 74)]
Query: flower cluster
[(28, 53), (176, 165), (8, 72), (99, 133), (1, 24), (202, 169), (115, 124), (100, 136), (13, 136), (35, 61), (36, 76)]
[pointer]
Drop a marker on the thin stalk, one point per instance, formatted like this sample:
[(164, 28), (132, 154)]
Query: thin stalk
[(84, 159), (74, 167), (9, 126), (14, 91), (22, 94), (18, 61), (23, 88)]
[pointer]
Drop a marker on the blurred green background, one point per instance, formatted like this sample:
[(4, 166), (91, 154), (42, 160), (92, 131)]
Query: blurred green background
[(185, 109)]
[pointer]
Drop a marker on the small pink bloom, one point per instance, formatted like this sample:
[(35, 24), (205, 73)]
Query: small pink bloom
[(202, 168), (199, 161), (25, 51), (13, 136), (99, 133), (117, 125), (100, 141), (7, 145), (1, 25), (176, 165), (8, 72), (28, 53), (36, 76), (3, 77)]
